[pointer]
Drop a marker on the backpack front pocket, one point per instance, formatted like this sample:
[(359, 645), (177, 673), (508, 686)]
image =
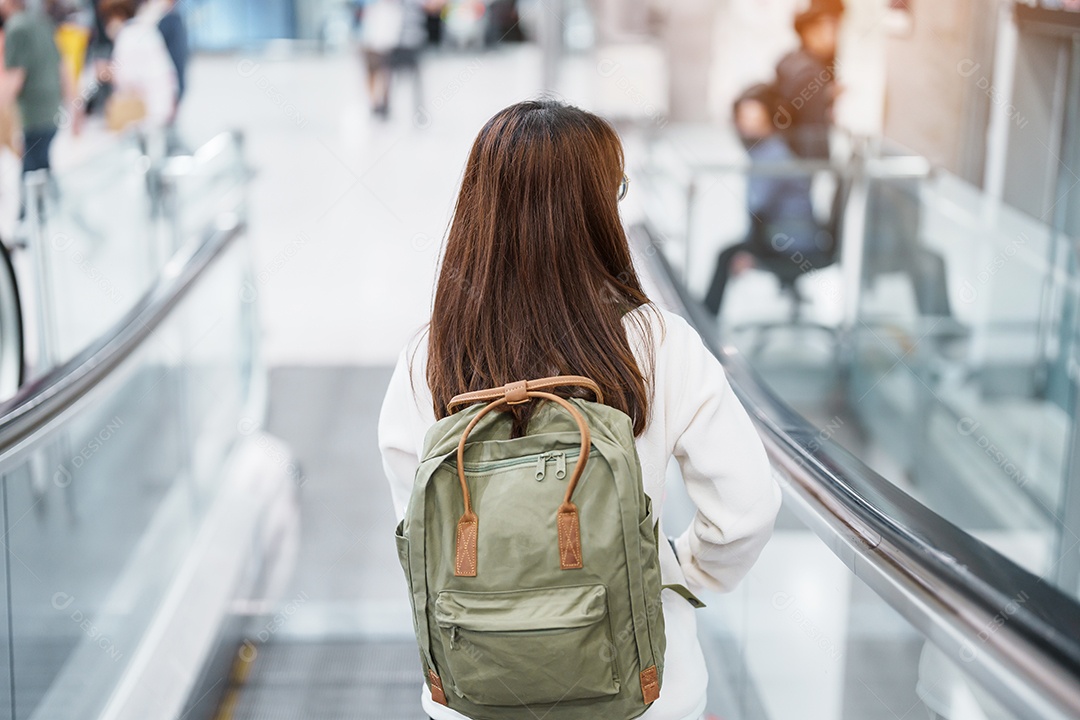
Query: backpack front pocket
[(528, 647)]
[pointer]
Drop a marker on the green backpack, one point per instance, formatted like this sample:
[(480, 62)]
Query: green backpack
[(532, 562)]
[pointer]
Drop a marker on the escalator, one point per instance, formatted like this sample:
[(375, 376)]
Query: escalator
[(866, 603), (936, 617)]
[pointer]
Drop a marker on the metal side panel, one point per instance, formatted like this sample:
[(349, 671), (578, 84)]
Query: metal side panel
[(168, 661)]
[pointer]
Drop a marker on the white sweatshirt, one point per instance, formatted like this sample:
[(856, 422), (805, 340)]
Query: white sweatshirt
[(141, 66), (694, 417)]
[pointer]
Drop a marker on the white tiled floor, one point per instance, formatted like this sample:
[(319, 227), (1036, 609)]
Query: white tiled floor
[(348, 213)]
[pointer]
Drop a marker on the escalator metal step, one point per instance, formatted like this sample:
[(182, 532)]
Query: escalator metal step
[(339, 680)]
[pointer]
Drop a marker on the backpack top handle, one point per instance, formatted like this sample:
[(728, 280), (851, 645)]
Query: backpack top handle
[(567, 520), (513, 390)]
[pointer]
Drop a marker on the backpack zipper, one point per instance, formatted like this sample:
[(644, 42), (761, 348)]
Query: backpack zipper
[(558, 456)]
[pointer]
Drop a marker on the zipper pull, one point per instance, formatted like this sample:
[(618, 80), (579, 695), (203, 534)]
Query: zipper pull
[(453, 636), (560, 465), (541, 464)]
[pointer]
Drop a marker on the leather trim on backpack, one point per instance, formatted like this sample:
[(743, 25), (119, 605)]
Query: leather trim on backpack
[(516, 393), (465, 565), (569, 537), (650, 684), (513, 392), (567, 521), (437, 693)]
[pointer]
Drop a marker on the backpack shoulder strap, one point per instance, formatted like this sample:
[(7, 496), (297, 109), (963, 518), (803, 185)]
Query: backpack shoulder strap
[(515, 392), (685, 593)]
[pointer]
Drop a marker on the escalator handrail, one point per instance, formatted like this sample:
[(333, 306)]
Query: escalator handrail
[(41, 401), (899, 534), (13, 340)]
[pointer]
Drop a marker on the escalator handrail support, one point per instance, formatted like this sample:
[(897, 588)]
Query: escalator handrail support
[(909, 543), (41, 401), (873, 168)]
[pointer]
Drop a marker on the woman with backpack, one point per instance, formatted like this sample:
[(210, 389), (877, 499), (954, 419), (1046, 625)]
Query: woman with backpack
[(537, 281)]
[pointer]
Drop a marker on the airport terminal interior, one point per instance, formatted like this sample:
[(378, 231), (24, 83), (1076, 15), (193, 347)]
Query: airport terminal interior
[(200, 313)]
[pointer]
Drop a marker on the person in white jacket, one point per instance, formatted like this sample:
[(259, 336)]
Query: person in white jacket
[(537, 280), (141, 66)]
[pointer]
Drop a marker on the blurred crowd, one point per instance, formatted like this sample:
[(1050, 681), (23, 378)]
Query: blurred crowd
[(394, 32), (120, 63)]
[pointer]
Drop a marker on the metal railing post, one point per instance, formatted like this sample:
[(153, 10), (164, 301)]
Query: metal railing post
[(34, 188)]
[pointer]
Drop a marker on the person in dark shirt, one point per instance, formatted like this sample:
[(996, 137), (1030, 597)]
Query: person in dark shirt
[(782, 219), (806, 82), (33, 79), (174, 32)]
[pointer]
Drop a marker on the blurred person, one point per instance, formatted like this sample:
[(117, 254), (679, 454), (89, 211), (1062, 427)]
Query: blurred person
[(835, 7), (504, 23), (72, 40), (10, 132), (10, 165), (32, 77), (894, 245), (142, 73), (465, 23), (94, 85), (392, 33), (433, 21), (537, 279), (174, 32), (806, 81), (782, 219)]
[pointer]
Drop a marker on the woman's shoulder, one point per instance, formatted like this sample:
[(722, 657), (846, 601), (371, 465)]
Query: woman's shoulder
[(408, 388), (660, 327), (415, 352), (668, 344)]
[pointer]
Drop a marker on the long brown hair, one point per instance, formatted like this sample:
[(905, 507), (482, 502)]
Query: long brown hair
[(536, 276)]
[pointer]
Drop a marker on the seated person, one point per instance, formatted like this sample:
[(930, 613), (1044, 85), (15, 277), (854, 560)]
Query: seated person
[(782, 223)]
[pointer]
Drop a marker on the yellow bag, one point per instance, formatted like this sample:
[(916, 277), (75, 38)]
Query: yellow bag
[(124, 110)]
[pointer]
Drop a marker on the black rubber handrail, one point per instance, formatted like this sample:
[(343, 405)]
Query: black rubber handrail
[(904, 536), (43, 400)]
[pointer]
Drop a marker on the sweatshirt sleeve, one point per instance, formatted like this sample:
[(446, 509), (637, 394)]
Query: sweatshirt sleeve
[(724, 466), (403, 421)]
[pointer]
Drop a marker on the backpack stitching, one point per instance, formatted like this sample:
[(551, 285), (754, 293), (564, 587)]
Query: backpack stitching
[(466, 530), (566, 535)]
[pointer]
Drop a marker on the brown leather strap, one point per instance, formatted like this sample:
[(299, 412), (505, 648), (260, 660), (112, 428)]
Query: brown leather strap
[(650, 684), (437, 692), (567, 518), (515, 390)]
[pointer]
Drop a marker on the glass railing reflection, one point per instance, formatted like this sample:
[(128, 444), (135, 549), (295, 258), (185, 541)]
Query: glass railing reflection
[(88, 230), (817, 642), (98, 232), (103, 506), (970, 392), (866, 603), (940, 347)]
